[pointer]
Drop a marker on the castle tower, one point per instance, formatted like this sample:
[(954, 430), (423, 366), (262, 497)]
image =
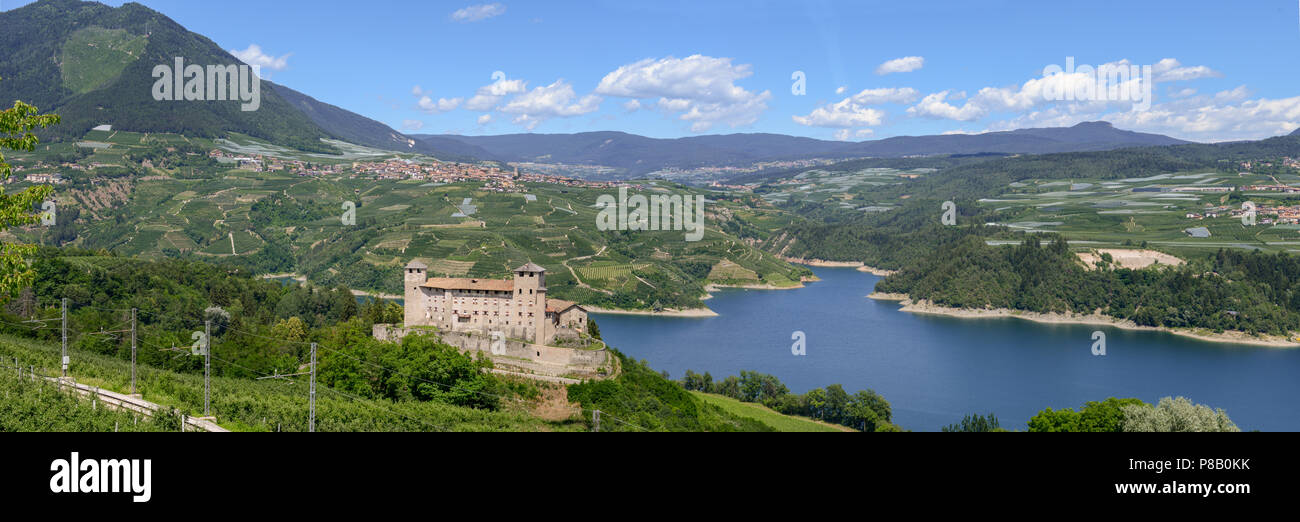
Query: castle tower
[(530, 289), (416, 275)]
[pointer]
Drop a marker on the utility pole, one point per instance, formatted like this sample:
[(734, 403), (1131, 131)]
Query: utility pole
[(133, 351), (595, 418), (311, 409), (65, 337), (207, 364)]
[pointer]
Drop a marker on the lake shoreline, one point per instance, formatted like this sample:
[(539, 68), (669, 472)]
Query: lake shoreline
[(713, 287), (876, 271), (295, 277), (698, 312), (928, 308), (822, 263), (860, 266), (689, 312)]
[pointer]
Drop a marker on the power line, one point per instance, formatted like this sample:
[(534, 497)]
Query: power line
[(372, 402), (207, 347), (123, 310), (250, 334)]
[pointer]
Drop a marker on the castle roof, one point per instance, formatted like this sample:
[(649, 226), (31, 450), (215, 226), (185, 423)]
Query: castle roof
[(530, 267), (416, 263), (559, 305), (462, 283)]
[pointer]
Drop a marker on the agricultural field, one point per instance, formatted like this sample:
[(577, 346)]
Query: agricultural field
[(854, 190), (1156, 210), (239, 404), (38, 405), (275, 222)]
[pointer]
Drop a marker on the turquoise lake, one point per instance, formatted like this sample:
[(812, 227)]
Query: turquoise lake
[(933, 370)]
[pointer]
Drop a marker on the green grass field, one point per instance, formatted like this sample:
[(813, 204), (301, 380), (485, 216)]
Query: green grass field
[(765, 415)]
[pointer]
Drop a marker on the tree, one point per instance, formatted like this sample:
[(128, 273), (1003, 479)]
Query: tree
[(1176, 415), (975, 424), (16, 124), (760, 387), (868, 411), (290, 329), (1055, 421), (729, 387)]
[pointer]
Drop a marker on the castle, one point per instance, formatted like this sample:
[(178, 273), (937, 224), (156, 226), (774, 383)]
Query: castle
[(517, 308)]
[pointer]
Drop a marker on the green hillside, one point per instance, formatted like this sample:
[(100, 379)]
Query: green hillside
[(101, 74), (184, 204), (765, 415), (261, 328), (248, 405), (94, 56)]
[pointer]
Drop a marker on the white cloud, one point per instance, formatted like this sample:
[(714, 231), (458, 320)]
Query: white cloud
[(412, 125), (479, 12), (841, 89), (1207, 120), (1182, 113), (851, 134), (427, 104), (854, 111), (485, 119), (673, 104), (1202, 118), (556, 100), (1040, 91), (488, 96), (886, 95), (1170, 70), (901, 65), (632, 105), (936, 106), (1235, 95), (701, 89), (253, 55)]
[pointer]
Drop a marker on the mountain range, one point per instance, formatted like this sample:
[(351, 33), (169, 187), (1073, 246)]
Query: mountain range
[(92, 64), (639, 154)]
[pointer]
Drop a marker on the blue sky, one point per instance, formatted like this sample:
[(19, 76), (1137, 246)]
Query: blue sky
[(680, 68)]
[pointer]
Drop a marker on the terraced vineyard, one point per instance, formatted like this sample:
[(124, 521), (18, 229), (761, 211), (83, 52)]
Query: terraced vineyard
[(280, 223), (38, 405), (238, 404)]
